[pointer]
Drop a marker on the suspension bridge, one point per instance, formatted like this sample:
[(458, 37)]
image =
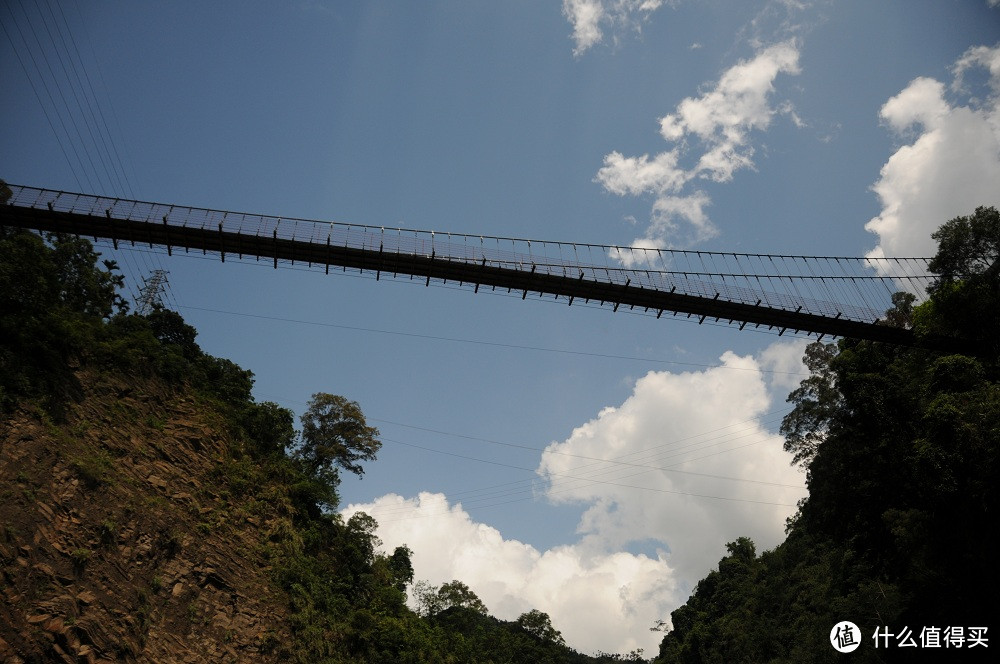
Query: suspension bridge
[(833, 296)]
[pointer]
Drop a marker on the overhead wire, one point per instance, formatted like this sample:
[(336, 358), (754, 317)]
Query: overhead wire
[(106, 137), (594, 480), (554, 489), (110, 186), (56, 109), (481, 342), (652, 455), (127, 164), (52, 105), (85, 115), (603, 476), (615, 461), (45, 58)]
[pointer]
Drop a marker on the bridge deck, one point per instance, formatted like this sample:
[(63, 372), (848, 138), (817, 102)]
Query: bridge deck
[(477, 261)]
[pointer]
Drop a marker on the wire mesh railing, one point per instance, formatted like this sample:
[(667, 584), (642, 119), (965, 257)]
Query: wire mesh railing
[(850, 288)]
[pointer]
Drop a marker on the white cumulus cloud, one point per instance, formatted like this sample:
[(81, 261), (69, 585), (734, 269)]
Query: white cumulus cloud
[(783, 362), (720, 122), (682, 466), (950, 162), (590, 18), (690, 463), (724, 116), (585, 16)]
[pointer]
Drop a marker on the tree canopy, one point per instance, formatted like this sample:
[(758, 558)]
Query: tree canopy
[(968, 247), (965, 298), (336, 435), (538, 624)]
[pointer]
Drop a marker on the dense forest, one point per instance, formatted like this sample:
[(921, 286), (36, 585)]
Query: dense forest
[(65, 335), (898, 531), (899, 445)]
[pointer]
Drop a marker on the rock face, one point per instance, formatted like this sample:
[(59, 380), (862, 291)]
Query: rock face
[(120, 542)]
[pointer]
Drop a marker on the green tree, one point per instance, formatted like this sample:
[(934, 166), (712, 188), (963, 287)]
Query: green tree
[(269, 427), (226, 380), (967, 247), (169, 328), (360, 540), (965, 298), (336, 435), (456, 593), (816, 401), (901, 313), (428, 601), (538, 624), (401, 567), (54, 301), (83, 288), (432, 600)]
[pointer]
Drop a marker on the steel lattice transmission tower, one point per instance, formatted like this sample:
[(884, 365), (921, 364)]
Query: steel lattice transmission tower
[(151, 293)]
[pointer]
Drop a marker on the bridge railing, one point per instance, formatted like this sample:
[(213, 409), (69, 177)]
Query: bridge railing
[(835, 286)]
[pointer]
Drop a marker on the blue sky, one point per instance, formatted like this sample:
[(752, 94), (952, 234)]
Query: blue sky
[(526, 444)]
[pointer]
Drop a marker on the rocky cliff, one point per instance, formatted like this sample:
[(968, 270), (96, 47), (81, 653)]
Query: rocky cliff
[(119, 541)]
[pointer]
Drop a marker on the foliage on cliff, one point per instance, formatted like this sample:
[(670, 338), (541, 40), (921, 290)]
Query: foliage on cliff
[(900, 445)]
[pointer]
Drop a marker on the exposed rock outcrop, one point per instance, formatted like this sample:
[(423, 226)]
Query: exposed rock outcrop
[(118, 542)]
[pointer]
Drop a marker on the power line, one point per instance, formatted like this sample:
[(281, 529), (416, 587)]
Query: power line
[(53, 40), (105, 137), (589, 480), (600, 460), (585, 482), (45, 108), (73, 90), (45, 58), (602, 472), (480, 342)]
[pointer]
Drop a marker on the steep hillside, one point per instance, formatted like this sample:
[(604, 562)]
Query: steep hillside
[(122, 537), (896, 535)]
